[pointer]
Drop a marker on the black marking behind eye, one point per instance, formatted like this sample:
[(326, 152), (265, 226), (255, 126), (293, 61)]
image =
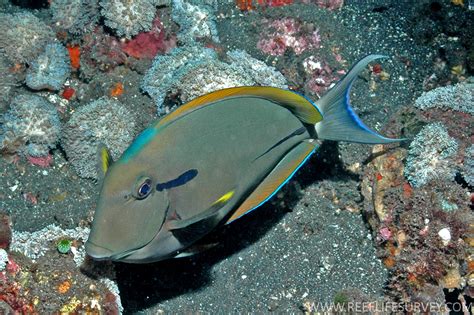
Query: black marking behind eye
[(180, 180)]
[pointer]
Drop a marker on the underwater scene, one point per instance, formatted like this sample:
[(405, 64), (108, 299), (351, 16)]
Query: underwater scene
[(236, 156)]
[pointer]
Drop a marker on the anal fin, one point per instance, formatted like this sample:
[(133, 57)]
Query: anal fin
[(282, 172)]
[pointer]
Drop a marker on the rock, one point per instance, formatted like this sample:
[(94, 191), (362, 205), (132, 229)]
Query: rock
[(5, 231)]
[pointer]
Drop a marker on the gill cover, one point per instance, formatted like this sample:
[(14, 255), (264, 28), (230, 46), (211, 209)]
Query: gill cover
[(123, 221)]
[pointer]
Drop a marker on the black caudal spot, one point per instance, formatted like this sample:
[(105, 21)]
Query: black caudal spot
[(178, 181)]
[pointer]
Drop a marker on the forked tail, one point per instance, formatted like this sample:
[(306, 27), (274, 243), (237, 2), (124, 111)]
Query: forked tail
[(340, 122)]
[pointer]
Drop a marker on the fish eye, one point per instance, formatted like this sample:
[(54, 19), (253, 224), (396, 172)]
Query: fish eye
[(143, 189)]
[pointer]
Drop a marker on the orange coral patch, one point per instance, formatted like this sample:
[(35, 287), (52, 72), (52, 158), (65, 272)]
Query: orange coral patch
[(389, 262), (407, 190), (117, 90), (75, 56), (64, 286), (244, 5)]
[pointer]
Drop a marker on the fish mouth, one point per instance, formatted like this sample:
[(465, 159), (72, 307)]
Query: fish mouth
[(98, 252)]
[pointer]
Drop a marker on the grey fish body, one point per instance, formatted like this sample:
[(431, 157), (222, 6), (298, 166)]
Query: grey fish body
[(210, 162)]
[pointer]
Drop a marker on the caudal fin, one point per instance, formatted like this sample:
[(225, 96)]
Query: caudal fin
[(340, 122)]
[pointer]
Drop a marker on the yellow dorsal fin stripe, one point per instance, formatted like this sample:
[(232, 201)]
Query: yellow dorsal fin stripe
[(282, 172), (224, 198), (306, 111)]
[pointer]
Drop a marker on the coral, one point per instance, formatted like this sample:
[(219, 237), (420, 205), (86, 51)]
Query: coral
[(195, 21), (100, 51), (74, 56), (193, 71), (35, 244), (3, 259), (149, 44), (287, 34), (320, 75), (117, 90), (168, 69), (66, 283), (430, 155), (30, 127), (7, 80), (468, 167), (259, 71), (128, 17), (329, 4), (50, 70), (23, 36), (428, 227), (64, 246), (103, 121), (41, 161), (75, 16), (68, 93), (459, 97), (209, 77)]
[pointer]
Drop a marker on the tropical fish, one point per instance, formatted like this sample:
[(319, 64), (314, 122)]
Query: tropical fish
[(210, 162)]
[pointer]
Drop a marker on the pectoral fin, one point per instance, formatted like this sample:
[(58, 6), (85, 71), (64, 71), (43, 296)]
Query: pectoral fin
[(104, 160), (282, 172), (188, 230)]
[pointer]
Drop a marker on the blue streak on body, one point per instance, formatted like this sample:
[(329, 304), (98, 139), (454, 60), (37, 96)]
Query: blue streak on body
[(180, 180), (281, 185), (142, 139)]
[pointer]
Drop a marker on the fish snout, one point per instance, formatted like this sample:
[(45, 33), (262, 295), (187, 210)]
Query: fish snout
[(97, 252)]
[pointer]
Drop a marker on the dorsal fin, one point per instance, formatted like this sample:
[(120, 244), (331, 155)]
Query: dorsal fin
[(303, 108)]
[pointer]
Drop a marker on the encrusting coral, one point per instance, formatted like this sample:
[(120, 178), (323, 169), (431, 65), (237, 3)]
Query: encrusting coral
[(75, 16), (103, 121), (128, 17), (429, 155), (31, 127), (190, 72), (195, 21), (7, 80), (50, 70), (459, 97), (23, 36)]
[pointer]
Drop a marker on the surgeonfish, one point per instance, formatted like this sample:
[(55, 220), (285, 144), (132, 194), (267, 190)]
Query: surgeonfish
[(211, 161)]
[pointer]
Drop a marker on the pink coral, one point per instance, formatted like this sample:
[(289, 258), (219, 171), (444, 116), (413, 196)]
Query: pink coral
[(102, 51), (42, 161), (148, 44), (287, 34), (320, 75), (385, 233), (328, 4)]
